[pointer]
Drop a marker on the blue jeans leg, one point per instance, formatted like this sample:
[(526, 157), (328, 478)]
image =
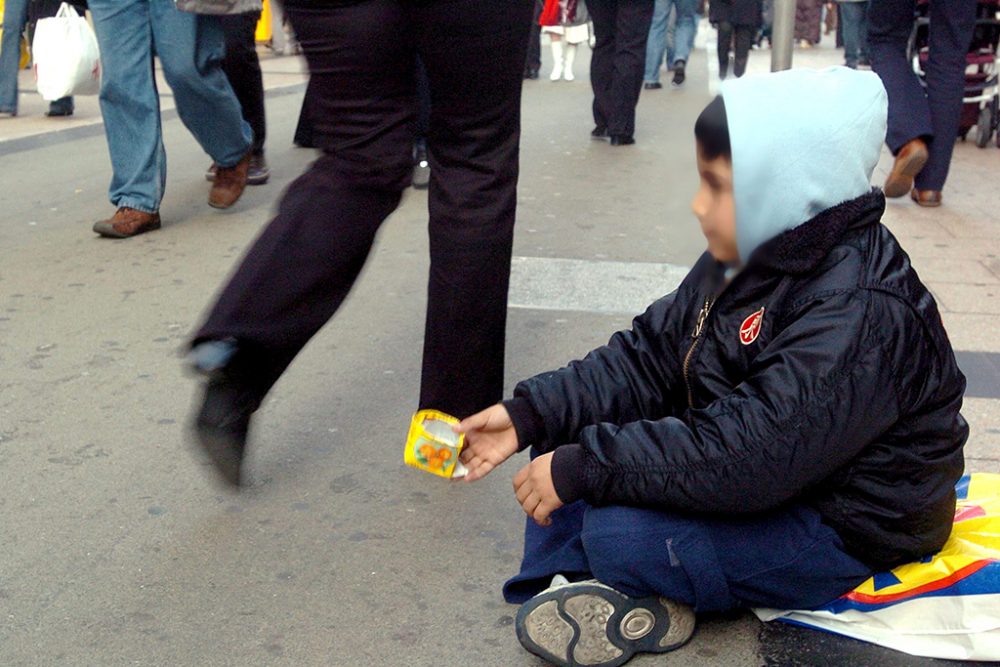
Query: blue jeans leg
[(852, 19), (656, 43), (15, 16), (951, 29), (787, 559), (685, 29), (130, 103), (191, 49)]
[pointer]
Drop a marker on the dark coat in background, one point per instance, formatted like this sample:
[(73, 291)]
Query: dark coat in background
[(41, 9), (736, 12), (808, 17)]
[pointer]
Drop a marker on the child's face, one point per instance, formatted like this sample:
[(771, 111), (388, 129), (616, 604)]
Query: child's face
[(715, 208)]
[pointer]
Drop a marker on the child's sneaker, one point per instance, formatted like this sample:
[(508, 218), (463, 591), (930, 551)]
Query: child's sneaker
[(588, 623)]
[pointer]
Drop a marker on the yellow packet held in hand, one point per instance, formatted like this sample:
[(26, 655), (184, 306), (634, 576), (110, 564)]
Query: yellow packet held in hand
[(432, 446)]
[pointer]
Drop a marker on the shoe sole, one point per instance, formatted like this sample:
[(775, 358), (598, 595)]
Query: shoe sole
[(900, 180), (222, 205), (251, 180), (109, 232), (591, 625)]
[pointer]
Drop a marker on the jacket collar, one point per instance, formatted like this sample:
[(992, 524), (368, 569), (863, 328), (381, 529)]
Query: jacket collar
[(800, 250)]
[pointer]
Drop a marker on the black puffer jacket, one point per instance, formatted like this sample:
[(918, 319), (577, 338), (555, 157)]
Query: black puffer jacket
[(844, 395)]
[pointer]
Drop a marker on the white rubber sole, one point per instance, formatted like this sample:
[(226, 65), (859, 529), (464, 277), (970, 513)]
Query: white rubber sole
[(588, 624)]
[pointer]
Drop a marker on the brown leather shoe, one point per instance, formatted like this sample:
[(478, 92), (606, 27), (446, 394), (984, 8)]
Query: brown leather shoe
[(127, 222), (909, 161), (928, 198), (229, 184)]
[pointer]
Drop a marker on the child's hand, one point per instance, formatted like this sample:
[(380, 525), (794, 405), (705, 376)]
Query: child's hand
[(535, 491), (490, 440)]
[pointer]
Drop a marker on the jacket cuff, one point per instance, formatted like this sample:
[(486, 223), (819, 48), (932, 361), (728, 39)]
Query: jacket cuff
[(528, 423), (567, 473)]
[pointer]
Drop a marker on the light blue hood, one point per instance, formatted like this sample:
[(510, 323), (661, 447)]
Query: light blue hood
[(802, 141)]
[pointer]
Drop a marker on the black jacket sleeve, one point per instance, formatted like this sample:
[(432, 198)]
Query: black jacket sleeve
[(628, 379), (814, 398)]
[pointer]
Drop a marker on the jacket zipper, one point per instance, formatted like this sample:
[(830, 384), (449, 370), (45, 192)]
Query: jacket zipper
[(699, 328)]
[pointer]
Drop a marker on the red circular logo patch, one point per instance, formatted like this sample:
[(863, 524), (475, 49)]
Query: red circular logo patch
[(750, 328)]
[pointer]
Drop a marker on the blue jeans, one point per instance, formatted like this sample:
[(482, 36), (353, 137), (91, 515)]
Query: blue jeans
[(932, 111), (190, 49), (15, 17), (786, 558), (672, 37), (854, 20), (656, 44)]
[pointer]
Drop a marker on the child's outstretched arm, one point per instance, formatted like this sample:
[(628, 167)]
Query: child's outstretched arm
[(633, 377), (490, 440)]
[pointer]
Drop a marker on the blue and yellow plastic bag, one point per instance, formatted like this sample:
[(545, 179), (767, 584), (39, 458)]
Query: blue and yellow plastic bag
[(945, 606)]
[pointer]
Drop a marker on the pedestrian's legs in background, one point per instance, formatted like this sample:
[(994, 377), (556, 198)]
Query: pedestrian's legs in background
[(64, 106), (671, 35), (865, 58), (130, 104), (556, 43), (889, 26), (808, 18), (767, 14), (190, 48), (852, 20), (656, 42), (685, 31), (723, 46), (830, 17), (242, 68), (951, 27), (742, 41), (533, 62), (474, 142), (304, 135), (15, 17), (602, 59), (694, 33), (569, 57), (631, 25), (422, 128)]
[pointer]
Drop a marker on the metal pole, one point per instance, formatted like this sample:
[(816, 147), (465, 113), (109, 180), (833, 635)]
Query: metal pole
[(782, 35)]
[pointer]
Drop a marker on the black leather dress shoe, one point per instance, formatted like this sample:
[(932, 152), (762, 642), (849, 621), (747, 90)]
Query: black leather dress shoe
[(622, 140), (599, 133), (222, 426), (223, 421), (652, 85)]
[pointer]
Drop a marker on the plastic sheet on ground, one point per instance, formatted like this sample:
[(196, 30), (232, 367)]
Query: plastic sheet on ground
[(945, 606)]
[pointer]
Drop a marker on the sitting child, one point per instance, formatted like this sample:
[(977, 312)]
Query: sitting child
[(779, 428)]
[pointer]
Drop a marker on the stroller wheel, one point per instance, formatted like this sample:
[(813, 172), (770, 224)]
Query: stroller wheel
[(984, 127)]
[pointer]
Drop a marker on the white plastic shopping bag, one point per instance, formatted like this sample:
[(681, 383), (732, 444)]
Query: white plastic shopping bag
[(67, 60), (945, 606)]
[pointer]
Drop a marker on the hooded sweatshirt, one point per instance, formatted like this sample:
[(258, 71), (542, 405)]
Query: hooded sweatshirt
[(783, 179)]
